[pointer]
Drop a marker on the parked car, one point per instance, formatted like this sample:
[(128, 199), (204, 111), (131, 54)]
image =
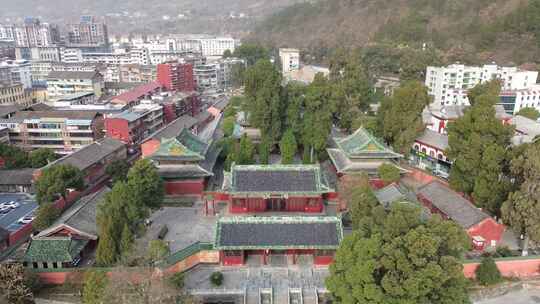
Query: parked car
[(12, 204), (4, 209), (25, 220)]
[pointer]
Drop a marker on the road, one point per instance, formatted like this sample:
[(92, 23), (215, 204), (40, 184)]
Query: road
[(523, 296)]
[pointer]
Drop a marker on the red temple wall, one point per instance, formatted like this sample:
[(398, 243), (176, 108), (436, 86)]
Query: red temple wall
[(189, 187)]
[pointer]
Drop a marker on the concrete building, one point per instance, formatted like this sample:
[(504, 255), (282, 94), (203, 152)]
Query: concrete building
[(51, 53), (61, 131), (6, 32), (515, 100), (87, 33), (14, 93), (449, 85), (134, 125), (216, 75), (137, 73), (290, 60), (176, 76), (71, 55), (216, 46), (34, 33), (16, 71), (60, 83)]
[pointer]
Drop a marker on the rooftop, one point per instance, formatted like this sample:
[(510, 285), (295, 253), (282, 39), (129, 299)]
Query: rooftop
[(54, 249), (278, 179), (80, 217), (175, 128), (390, 194), (16, 176), (91, 154), (72, 75), (87, 115), (136, 93), (434, 139), (453, 205), (275, 232), (363, 145)]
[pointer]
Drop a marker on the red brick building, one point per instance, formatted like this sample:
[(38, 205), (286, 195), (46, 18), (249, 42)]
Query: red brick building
[(132, 126), (289, 188), (483, 229), (176, 76), (275, 237)]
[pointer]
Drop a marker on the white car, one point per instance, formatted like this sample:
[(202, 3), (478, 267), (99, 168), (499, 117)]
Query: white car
[(4, 209), (12, 205), (26, 219)]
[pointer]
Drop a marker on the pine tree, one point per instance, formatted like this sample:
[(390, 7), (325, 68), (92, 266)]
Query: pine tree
[(95, 283), (246, 151), (126, 243), (107, 251), (288, 147)]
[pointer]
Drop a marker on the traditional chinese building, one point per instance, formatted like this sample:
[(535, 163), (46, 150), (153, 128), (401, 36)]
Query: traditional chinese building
[(274, 237), (185, 161), (360, 152), (70, 238), (290, 188)]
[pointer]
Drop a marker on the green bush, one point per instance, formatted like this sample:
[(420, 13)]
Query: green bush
[(177, 280), (504, 252), (388, 173), (216, 278), (487, 272)]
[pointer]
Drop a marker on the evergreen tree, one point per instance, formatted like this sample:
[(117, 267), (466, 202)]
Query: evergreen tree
[(246, 151), (117, 170), (94, 286), (405, 260), (126, 242), (288, 147), (400, 116), (158, 250), (388, 173), (41, 157), (264, 150), (487, 272), (56, 180), (477, 144), (145, 183), (228, 125), (47, 213), (107, 250), (521, 210)]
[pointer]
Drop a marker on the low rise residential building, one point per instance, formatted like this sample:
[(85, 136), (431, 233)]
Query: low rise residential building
[(61, 83), (4, 135), (134, 125), (176, 76), (75, 99), (135, 95), (290, 60), (93, 159), (16, 71), (137, 73), (62, 131)]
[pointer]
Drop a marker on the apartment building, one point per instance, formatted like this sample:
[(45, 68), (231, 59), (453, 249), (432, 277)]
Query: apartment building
[(34, 33), (176, 76), (50, 53), (89, 32), (14, 93), (449, 85), (16, 71), (515, 100), (62, 131), (137, 73), (60, 83), (216, 46)]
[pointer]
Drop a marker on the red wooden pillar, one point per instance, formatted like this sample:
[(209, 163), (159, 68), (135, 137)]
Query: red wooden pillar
[(205, 206), (265, 256), (294, 257)]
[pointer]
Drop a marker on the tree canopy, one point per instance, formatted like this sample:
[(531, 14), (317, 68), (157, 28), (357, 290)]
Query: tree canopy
[(55, 180), (16, 158), (251, 53), (13, 288), (400, 116), (404, 260), (288, 147), (94, 286), (117, 170), (477, 143), (46, 214), (529, 112), (388, 173)]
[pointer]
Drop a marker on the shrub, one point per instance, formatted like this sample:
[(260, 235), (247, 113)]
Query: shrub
[(504, 252), (487, 272), (216, 278), (388, 173), (177, 280)]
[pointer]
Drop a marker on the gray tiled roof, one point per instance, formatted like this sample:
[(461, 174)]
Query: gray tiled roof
[(175, 128), (16, 177), (91, 154), (89, 115), (5, 110), (278, 233), (452, 204), (389, 194), (277, 179), (81, 215), (434, 139)]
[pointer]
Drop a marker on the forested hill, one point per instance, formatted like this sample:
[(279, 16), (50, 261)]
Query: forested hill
[(468, 30)]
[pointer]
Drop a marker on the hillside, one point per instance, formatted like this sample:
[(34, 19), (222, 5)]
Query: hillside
[(157, 16), (468, 30)]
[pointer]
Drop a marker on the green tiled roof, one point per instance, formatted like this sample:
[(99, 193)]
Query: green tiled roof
[(173, 148), (278, 232), (54, 249), (362, 144), (192, 142)]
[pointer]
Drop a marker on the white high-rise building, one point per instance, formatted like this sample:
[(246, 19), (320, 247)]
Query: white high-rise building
[(216, 46), (290, 60), (6, 33), (449, 85), (21, 72)]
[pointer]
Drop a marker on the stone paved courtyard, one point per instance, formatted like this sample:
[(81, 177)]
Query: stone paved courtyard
[(250, 280)]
